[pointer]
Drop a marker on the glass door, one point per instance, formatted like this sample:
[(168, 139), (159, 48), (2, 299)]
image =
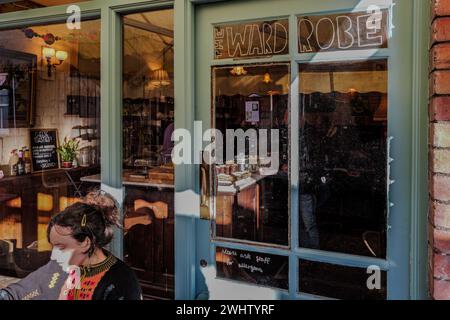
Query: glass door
[(306, 200)]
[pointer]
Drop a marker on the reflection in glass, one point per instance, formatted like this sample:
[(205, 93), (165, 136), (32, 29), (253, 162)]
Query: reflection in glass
[(48, 93), (148, 172), (252, 200), (341, 282), (343, 160)]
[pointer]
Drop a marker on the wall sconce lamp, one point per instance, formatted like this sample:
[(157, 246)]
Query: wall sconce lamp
[(48, 53)]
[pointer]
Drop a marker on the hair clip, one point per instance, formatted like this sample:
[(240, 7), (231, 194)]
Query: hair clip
[(83, 220)]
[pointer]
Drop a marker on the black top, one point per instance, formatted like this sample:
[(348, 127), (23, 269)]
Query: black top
[(118, 283)]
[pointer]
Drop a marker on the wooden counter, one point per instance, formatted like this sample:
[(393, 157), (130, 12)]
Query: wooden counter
[(96, 178), (239, 185)]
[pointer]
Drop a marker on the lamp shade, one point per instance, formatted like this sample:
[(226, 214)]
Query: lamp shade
[(160, 77), (48, 52), (61, 55)]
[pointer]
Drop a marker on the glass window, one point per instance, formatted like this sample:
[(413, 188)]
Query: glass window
[(253, 267), (148, 172), (342, 282), (49, 98), (251, 111), (11, 6), (343, 157)]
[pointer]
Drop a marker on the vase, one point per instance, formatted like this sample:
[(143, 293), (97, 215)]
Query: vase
[(67, 164)]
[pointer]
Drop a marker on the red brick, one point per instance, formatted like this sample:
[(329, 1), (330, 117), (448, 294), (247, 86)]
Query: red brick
[(440, 187), (440, 134), (440, 30), (440, 214), (440, 82), (441, 290), (440, 161), (440, 108), (430, 240), (441, 266), (441, 240), (440, 8), (440, 56)]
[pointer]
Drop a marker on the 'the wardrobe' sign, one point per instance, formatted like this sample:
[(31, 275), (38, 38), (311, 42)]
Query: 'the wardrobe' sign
[(252, 39), (345, 31)]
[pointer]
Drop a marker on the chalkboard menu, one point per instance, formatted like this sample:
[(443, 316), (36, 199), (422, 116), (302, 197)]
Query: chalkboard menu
[(343, 31), (253, 267), (43, 149)]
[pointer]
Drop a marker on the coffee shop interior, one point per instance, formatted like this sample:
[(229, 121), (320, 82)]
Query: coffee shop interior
[(50, 140)]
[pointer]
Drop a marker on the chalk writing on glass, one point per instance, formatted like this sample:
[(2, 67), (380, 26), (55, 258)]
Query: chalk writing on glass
[(252, 39), (348, 31)]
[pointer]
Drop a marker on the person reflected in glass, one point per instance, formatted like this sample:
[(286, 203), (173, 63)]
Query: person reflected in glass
[(309, 231), (168, 144)]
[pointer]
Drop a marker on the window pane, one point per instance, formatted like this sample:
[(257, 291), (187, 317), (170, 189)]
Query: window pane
[(343, 158), (49, 92), (341, 282), (252, 194), (148, 172), (253, 267)]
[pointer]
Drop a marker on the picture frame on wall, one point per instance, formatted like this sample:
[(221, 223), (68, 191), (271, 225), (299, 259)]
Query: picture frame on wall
[(19, 103)]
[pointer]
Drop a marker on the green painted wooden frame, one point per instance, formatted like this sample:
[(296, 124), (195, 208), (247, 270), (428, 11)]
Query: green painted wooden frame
[(415, 253), (187, 186)]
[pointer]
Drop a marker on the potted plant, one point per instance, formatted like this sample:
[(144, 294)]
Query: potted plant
[(68, 151)]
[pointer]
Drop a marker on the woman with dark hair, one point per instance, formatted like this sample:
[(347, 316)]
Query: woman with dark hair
[(80, 268)]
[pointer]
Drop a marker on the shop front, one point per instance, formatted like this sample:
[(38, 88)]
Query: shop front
[(311, 110)]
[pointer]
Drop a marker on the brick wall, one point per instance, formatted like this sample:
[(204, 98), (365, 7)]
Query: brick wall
[(439, 217)]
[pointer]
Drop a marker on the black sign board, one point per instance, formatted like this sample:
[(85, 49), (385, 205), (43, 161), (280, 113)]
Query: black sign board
[(344, 31), (253, 267), (44, 143), (251, 39)]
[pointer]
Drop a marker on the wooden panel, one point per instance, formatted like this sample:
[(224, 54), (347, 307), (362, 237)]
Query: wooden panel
[(149, 239)]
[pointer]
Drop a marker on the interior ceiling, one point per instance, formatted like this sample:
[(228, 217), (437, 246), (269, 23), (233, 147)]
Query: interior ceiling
[(148, 40)]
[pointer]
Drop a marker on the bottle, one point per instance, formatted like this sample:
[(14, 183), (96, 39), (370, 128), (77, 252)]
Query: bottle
[(27, 160), (13, 159), (21, 164)]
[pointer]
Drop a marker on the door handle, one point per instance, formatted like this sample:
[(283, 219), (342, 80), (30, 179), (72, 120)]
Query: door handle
[(204, 194)]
